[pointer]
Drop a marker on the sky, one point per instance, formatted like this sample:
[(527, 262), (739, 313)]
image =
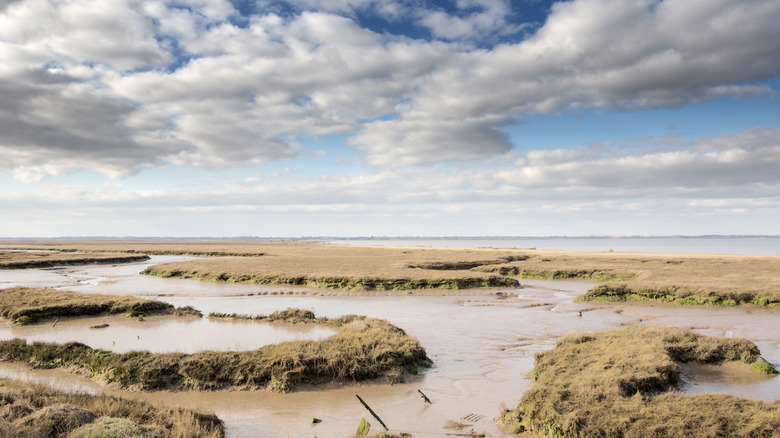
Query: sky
[(224, 118)]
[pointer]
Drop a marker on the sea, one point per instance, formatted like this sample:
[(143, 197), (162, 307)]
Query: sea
[(751, 245)]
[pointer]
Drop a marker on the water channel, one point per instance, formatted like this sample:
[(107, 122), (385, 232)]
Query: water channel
[(482, 345)]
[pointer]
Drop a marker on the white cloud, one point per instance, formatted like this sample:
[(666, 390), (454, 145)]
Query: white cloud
[(98, 85), (595, 54)]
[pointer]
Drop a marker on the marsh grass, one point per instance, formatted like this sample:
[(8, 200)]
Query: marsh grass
[(34, 411), (289, 316), (351, 268), (621, 384), (213, 248), (363, 348), (678, 278), (25, 260), (23, 305)]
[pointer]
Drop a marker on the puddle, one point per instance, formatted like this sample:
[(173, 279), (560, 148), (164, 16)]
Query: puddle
[(734, 378)]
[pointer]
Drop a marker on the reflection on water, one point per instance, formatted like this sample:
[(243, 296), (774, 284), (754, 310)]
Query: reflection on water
[(483, 347), (735, 378), (165, 334)]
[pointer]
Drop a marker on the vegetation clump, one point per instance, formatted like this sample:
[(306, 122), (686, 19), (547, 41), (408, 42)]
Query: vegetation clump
[(679, 294), (32, 411), (726, 280), (24, 305), (27, 260), (363, 348), (290, 316), (621, 383)]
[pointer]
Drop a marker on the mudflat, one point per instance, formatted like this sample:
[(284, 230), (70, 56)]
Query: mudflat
[(677, 278)]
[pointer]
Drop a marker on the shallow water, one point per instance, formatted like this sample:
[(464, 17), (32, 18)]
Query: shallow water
[(164, 334), (482, 347)]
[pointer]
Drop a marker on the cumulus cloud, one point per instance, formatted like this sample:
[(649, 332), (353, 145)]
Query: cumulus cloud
[(121, 86), (603, 54)]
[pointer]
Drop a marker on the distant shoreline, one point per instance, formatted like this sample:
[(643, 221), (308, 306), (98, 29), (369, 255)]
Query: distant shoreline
[(310, 238)]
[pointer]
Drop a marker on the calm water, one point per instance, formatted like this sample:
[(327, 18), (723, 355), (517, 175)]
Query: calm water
[(691, 245)]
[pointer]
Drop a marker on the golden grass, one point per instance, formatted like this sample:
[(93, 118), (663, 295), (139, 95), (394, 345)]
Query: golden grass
[(620, 384), (680, 278), (195, 248), (363, 348), (34, 411), (24, 305), (343, 267), (25, 260)]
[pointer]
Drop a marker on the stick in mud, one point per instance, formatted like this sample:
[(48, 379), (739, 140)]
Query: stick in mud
[(371, 411), (425, 397)]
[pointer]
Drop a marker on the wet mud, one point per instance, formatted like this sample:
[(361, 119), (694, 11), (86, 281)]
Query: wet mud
[(482, 345)]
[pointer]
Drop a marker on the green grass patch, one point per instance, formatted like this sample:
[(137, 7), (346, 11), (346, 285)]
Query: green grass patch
[(621, 383)]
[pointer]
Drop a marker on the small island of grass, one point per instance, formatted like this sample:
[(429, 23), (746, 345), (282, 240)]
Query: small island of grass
[(24, 305), (48, 259), (351, 268), (621, 384), (363, 348)]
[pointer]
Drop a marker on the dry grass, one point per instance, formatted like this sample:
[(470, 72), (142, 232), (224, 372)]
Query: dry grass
[(25, 260), (33, 411), (195, 248), (680, 278), (617, 384), (343, 267), (363, 348), (23, 305)]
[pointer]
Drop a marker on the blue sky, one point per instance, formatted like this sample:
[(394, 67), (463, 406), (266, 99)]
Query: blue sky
[(393, 118)]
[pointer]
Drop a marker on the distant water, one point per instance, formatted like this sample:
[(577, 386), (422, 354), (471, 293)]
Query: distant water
[(683, 245)]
